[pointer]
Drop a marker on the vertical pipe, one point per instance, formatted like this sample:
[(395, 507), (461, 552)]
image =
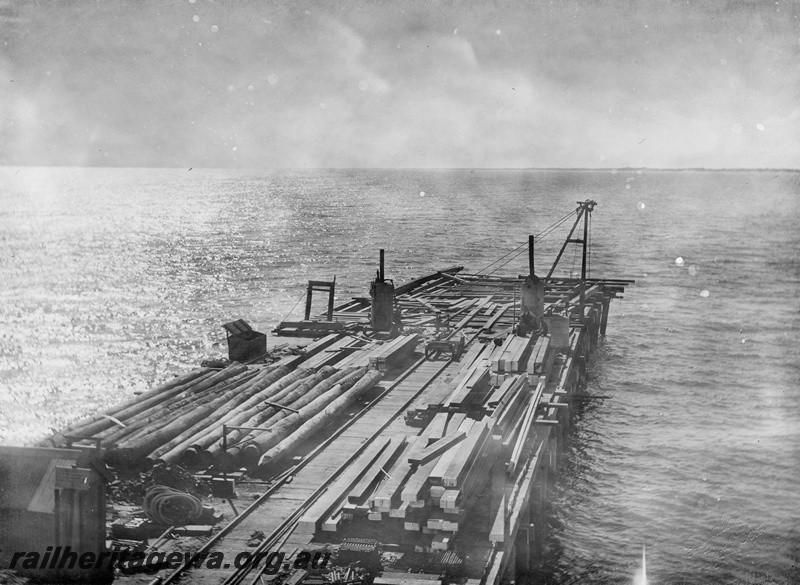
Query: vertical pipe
[(380, 270), (530, 255), (585, 241), (309, 293), (583, 262)]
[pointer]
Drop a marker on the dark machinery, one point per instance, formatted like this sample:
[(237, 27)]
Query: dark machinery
[(436, 347), (382, 294)]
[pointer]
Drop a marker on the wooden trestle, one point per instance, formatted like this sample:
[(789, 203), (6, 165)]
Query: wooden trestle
[(451, 459)]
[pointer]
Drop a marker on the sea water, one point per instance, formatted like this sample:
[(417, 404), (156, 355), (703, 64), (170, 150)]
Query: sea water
[(113, 280)]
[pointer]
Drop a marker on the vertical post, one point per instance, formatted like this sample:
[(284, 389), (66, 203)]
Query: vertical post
[(583, 264), (585, 242), (57, 514), (538, 491), (516, 286), (604, 319), (309, 293), (530, 255), (380, 270), (330, 298), (225, 452)]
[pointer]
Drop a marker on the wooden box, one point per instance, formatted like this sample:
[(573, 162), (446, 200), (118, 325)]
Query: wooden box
[(244, 344)]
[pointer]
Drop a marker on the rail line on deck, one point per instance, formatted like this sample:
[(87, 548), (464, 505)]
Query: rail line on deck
[(281, 480)]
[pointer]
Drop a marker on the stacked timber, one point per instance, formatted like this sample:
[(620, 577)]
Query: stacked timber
[(182, 421), (455, 300), (441, 391), (513, 355), (381, 355), (423, 484), (335, 352), (485, 376), (360, 357), (427, 484), (541, 359), (306, 420), (113, 416), (394, 352)]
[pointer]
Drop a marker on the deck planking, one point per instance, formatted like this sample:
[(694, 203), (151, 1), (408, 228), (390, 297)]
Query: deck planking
[(290, 497)]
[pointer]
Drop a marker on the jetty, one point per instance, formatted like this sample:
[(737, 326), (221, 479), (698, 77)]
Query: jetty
[(415, 439)]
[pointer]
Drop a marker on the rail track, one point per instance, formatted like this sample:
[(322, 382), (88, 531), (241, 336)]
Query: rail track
[(278, 534)]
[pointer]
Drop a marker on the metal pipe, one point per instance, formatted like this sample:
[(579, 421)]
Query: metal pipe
[(530, 255), (585, 241), (587, 207)]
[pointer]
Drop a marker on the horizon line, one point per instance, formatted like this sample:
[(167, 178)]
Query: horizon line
[(377, 168)]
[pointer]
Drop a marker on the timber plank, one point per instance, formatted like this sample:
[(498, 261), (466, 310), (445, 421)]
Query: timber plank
[(382, 498), (324, 504), (467, 450), (377, 471), (435, 449)]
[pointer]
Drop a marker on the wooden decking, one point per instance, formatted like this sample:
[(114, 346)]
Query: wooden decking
[(291, 498), (504, 399)]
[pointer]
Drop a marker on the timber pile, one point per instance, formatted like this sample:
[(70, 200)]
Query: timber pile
[(444, 388), (394, 352), (541, 359), (426, 484), (485, 370), (457, 301), (488, 303), (420, 484), (182, 421), (381, 355), (513, 354)]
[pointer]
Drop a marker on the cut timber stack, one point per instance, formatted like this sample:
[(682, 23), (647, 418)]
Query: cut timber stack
[(471, 386), (513, 355), (441, 391), (310, 350), (422, 483), (334, 353), (381, 355), (425, 485), (360, 357), (394, 352), (485, 375), (541, 359)]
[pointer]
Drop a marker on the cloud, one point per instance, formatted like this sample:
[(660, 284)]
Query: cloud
[(399, 84)]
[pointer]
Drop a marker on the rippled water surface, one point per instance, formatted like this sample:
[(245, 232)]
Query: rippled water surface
[(114, 279)]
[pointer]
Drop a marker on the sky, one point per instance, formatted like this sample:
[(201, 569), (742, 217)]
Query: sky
[(423, 84)]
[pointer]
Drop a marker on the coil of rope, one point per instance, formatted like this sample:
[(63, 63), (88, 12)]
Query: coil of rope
[(167, 505)]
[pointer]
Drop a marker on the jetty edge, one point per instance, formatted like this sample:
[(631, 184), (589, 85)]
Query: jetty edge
[(415, 439)]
